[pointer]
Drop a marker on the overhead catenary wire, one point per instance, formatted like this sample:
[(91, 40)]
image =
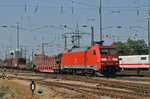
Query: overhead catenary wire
[(65, 7), (77, 4)]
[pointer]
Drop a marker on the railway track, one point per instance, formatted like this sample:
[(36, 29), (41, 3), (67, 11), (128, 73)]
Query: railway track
[(112, 89), (139, 79), (144, 73), (97, 91), (60, 85), (136, 87)]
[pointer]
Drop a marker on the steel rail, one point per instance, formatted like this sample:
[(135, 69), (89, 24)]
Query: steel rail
[(140, 88), (100, 91)]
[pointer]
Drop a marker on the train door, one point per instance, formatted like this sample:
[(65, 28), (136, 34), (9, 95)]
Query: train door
[(143, 60), (94, 59), (138, 61), (139, 64), (121, 62), (147, 62)]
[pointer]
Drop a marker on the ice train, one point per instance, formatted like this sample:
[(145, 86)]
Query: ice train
[(134, 62)]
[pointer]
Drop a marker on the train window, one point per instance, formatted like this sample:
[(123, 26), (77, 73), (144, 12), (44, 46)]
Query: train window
[(108, 51), (143, 58), (112, 51), (104, 51), (120, 59), (94, 52)]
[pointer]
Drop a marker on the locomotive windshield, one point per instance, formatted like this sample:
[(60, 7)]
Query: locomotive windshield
[(108, 51)]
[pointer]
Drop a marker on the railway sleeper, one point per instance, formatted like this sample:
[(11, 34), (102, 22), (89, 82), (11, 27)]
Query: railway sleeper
[(127, 93), (100, 90), (74, 85), (114, 94), (130, 86)]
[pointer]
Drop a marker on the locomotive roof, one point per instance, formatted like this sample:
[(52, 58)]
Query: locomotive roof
[(86, 48), (83, 48), (134, 56)]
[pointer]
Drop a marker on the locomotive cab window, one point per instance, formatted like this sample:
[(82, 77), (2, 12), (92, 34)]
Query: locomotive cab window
[(94, 52), (108, 51), (143, 58)]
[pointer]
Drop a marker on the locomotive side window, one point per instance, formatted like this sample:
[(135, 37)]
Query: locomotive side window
[(143, 58), (108, 51), (94, 52)]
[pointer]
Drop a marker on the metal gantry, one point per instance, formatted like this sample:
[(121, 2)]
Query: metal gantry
[(100, 14), (149, 42), (75, 37)]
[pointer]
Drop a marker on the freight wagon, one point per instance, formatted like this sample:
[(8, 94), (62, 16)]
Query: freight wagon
[(15, 62)]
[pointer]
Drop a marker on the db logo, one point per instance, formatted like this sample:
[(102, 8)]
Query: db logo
[(109, 59), (75, 61)]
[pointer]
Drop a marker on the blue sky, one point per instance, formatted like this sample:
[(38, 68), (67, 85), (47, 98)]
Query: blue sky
[(42, 21)]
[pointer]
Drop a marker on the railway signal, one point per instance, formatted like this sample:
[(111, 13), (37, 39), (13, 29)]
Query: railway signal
[(12, 54), (32, 87)]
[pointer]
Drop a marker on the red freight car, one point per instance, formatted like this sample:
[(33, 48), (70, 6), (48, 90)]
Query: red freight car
[(45, 63), (94, 59), (9, 63), (21, 62)]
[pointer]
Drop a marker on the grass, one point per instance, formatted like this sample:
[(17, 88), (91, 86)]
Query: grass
[(20, 90)]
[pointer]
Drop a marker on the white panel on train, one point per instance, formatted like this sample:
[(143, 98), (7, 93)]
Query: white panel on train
[(134, 62)]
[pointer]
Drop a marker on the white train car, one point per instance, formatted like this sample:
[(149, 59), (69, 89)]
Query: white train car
[(134, 62)]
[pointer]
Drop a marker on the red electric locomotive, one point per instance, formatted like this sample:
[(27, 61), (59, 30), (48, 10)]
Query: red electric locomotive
[(93, 60), (90, 60)]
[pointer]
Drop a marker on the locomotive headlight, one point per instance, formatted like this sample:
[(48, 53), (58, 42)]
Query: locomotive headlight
[(103, 63), (115, 59), (116, 63), (103, 59)]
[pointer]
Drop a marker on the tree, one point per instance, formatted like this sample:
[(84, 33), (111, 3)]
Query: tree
[(121, 47), (132, 47)]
